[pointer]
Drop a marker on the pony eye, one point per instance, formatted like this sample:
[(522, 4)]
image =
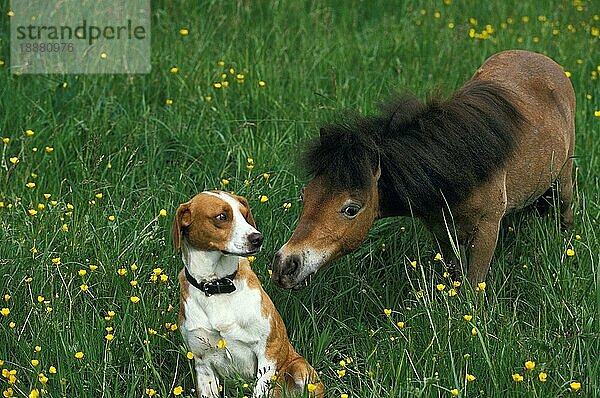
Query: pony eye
[(222, 217), (350, 211)]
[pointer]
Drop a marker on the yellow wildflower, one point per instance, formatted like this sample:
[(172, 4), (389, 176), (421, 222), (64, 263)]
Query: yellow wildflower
[(543, 376), (79, 355), (529, 365), (517, 377), (575, 386)]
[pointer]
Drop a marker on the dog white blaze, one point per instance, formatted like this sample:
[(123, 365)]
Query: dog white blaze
[(241, 230)]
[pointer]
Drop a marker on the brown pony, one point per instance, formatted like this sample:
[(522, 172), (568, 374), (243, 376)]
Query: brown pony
[(500, 142)]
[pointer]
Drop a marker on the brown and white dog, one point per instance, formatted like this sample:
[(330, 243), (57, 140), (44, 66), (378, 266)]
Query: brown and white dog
[(228, 321)]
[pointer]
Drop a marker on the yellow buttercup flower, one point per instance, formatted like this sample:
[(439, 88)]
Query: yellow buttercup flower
[(177, 390), (438, 257), (474, 332), (79, 355), (189, 355), (529, 365), (543, 376), (134, 299), (470, 377), (387, 311), (341, 372), (517, 377), (311, 387), (184, 32), (575, 386), (109, 337), (13, 160), (570, 252), (221, 344), (454, 392), (162, 213), (35, 362), (52, 370), (440, 286), (263, 198)]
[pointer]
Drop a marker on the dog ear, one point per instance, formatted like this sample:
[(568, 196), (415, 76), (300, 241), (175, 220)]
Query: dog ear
[(183, 219), (249, 217)]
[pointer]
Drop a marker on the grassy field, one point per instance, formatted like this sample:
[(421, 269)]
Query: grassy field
[(109, 153)]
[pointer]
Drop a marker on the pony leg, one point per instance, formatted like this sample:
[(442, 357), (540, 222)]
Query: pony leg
[(565, 194), (482, 247), (448, 246)]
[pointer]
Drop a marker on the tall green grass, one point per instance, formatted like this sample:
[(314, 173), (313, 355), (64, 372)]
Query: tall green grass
[(116, 136)]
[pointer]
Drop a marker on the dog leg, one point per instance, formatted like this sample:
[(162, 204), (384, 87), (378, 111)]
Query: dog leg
[(206, 379), (266, 371)]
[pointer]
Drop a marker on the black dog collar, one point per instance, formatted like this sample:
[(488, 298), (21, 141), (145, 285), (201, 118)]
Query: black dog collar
[(217, 286)]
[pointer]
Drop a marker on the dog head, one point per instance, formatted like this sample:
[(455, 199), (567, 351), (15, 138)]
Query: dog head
[(217, 221)]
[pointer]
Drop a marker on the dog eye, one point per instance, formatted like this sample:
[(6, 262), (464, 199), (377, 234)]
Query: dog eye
[(350, 211), (222, 217)]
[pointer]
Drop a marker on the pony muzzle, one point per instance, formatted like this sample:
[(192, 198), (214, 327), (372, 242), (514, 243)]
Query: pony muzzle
[(291, 269)]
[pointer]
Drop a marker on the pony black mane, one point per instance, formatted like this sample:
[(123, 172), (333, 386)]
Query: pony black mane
[(429, 153)]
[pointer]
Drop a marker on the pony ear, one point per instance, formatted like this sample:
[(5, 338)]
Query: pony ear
[(183, 219), (321, 132), (249, 217), (378, 172)]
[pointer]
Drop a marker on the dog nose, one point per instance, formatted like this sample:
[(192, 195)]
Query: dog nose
[(255, 239)]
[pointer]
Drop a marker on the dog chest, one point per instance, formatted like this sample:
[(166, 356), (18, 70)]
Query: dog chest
[(228, 330)]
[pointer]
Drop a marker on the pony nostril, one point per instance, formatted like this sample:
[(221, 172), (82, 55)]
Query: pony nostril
[(291, 265), (255, 239)]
